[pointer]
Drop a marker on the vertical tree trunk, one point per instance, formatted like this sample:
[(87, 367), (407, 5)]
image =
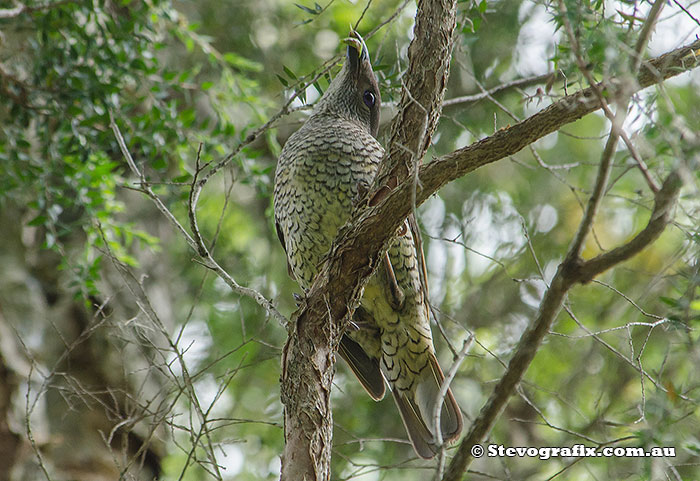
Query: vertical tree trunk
[(307, 375)]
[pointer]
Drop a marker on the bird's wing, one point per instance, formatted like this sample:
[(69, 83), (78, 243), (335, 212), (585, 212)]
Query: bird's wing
[(365, 368), (280, 236), (422, 270)]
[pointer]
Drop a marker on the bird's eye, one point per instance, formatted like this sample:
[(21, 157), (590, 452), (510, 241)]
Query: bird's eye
[(369, 98)]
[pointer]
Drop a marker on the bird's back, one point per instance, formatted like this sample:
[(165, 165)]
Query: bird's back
[(318, 176)]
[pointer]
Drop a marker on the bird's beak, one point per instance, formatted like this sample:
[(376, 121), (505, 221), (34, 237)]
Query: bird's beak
[(357, 51)]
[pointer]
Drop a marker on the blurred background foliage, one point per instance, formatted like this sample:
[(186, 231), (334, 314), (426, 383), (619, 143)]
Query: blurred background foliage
[(184, 77)]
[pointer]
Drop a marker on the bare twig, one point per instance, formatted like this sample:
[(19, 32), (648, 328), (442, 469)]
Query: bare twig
[(451, 373), (635, 63), (136, 289), (519, 83), (196, 245), (509, 140), (686, 11), (567, 275), (596, 336)]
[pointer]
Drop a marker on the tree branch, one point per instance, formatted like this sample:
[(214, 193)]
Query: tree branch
[(661, 216), (616, 121), (573, 270), (514, 84), (359, 243), (510, 140), (425, 81)]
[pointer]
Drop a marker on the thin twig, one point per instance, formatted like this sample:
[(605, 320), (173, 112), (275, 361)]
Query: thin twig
[(206, 258), (451, 373), (519, 83), (617, 353)]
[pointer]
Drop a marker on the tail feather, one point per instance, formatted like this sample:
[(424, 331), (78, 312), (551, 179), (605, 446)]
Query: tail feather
[(418, 414), (427, 392), (419, 435)]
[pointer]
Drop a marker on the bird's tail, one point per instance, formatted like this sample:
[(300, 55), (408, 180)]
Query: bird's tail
[(417, 408)]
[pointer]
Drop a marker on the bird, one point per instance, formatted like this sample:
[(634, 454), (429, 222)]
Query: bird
[(324, 168)]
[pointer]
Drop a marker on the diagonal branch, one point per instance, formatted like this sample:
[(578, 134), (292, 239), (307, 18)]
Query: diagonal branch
[(616, 121), (195, 242), (512, 139), (572, 271), (572, 268), (661, 216)]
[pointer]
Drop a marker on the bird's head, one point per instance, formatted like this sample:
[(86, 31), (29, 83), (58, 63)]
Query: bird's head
[(354, 92)]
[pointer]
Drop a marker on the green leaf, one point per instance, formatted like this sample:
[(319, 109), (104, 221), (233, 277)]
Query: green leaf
[(242, 63), (37, 221), (289, 73), (282, 80), (309, 10)]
